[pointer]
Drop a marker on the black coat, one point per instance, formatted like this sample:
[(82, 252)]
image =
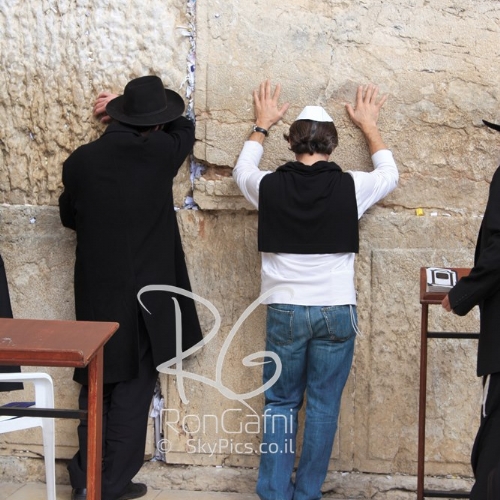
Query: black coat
[(482, 286), (6, 312), (118, 197)]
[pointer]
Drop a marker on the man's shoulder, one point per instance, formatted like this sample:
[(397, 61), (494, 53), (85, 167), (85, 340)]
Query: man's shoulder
[(86, 153), (495, 179)]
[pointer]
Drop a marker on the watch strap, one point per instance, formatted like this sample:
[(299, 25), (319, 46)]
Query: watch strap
[(261, 130)]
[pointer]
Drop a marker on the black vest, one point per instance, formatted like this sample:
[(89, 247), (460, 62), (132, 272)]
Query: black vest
[(308, 209)]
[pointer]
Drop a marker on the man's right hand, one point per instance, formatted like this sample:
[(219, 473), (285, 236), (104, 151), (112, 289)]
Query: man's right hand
[(100, 106)]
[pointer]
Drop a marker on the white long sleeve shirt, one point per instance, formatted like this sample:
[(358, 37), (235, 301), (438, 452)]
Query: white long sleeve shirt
[(316, 279)]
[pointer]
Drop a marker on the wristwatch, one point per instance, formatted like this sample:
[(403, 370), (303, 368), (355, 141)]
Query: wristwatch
[(261, 130)]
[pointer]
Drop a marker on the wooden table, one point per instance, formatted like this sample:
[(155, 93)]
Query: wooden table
[(31, 342), (426, 299)]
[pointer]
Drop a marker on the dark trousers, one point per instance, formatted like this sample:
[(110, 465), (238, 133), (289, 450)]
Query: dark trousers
[(485, 457), (494, 483), (125, 418)]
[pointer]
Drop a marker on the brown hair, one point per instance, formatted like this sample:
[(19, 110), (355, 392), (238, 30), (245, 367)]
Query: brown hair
[(308, 136)]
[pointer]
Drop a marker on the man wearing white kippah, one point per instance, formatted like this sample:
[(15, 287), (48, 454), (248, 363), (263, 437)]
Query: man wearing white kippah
[(308, 237)]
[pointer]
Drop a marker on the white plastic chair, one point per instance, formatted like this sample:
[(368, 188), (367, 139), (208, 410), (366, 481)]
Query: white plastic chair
[(44, 398)]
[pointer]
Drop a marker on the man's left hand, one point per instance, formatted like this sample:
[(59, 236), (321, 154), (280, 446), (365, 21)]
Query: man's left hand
[(446, 304)]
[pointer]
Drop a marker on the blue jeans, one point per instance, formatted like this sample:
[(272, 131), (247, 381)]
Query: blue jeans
[(316, 347)]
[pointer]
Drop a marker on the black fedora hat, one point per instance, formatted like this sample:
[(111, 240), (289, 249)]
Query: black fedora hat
[(145, 102), (494, 126)]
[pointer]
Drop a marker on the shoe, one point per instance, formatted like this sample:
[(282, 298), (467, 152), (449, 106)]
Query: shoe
[(133, 490), (79, 494)]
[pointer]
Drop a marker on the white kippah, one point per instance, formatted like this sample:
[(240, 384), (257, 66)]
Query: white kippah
[(315, 113)]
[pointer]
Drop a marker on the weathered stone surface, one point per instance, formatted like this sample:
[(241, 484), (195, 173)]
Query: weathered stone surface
[(239, 480), (219, 194), (434, 59), (56, 58), (38, 254)]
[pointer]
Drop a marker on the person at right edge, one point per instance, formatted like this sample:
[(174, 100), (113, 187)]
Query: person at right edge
[(308, 237), (482, 287)]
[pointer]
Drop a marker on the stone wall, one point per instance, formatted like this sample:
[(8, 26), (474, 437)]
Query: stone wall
[(436, 62)]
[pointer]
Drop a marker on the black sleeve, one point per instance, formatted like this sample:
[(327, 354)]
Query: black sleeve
[(484, 278), (66, 204), (181, 132)]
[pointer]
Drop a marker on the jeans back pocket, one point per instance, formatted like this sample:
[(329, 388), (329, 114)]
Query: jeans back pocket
[(341, 321), (279, 324)]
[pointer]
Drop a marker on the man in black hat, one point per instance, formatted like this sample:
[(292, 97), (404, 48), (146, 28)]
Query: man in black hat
[(482, 287), (118, 198)]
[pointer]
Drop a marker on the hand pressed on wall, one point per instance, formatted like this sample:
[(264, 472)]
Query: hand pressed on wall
[(100, 106)]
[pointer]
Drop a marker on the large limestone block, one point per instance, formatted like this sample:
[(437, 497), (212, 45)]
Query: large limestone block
[(55, 58), (428, 56), (39, 255), (388, 356)]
